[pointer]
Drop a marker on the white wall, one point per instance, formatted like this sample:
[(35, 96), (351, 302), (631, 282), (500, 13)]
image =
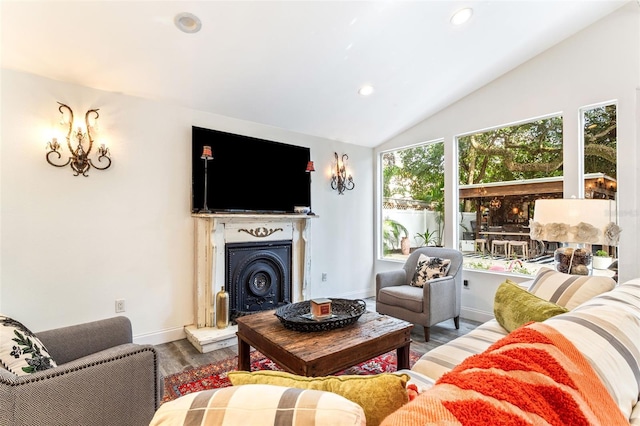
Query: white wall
[(598, 64), (72, 245)]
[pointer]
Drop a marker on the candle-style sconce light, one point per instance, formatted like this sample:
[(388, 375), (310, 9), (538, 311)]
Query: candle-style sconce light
[(340, 181), (79, 160)]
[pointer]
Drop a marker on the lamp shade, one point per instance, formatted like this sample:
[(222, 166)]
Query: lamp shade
[(575, 221), (206, 153)]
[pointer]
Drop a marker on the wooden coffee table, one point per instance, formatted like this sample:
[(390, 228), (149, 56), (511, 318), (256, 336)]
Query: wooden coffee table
[(324, 352)]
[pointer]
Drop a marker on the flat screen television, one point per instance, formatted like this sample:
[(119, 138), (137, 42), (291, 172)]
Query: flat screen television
[(248, 174)]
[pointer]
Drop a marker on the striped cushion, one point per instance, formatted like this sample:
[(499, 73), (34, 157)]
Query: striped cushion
[(606, 330), (567, 290), (634, 420), (258, 405), (421, 381), (440, 360)]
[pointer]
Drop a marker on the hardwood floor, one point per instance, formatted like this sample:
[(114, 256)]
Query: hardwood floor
[(180, 355)]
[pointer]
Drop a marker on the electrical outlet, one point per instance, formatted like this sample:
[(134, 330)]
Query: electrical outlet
[(119, 305), (324, 276)]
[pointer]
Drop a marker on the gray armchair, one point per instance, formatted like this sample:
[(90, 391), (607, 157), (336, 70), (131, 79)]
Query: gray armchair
[(437, 301), (102, 378)]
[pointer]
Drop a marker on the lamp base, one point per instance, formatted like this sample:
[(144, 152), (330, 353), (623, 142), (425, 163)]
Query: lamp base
[(574, 261), (204, 211)]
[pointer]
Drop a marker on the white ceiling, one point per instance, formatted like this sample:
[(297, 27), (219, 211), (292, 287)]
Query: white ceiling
[(293, 65)]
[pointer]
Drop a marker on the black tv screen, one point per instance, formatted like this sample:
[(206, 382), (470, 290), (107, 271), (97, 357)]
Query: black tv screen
[(248, 174)]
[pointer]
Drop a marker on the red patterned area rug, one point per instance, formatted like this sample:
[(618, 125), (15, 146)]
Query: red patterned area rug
[(215, 375)]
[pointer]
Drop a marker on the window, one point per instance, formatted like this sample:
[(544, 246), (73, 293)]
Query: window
[(600, 151), (412, 198), (600, 140), (502, 172)]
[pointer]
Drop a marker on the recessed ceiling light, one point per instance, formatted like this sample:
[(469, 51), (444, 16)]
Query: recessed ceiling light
[(366, 90), (461, 16), (187, 22)]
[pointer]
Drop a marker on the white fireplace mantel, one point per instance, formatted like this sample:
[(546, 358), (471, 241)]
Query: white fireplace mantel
[(211, 233)]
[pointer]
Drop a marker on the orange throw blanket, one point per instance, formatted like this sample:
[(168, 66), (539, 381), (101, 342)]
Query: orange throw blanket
[(533, 376)]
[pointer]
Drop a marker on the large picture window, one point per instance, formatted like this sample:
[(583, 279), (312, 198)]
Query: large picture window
[(413, 198), (600, 150), (600, 140), (502, 172)]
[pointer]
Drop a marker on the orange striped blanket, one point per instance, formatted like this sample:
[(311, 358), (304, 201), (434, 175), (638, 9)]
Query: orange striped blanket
[(533, 376)]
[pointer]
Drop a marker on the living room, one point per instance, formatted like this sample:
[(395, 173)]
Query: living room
[(71, 246)]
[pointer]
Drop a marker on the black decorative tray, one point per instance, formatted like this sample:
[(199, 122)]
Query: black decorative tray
[(344, 312)]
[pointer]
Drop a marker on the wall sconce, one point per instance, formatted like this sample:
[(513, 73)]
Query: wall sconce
[(339, 179), (79, 159)]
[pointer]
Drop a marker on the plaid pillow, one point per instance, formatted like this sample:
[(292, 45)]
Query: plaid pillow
[(259, 404)]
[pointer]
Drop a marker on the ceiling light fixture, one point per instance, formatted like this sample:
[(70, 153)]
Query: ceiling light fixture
[(461, 16), (187, 22), (366, 90)]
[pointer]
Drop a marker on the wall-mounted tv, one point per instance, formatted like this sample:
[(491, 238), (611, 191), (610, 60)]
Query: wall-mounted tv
[(248, 174)]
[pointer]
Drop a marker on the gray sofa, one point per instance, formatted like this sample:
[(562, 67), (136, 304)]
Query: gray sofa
[(102, 378)]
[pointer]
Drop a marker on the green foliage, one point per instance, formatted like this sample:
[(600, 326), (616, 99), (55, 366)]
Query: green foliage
[(418, 173), (392, 231), (427, 237), (602, 253), (600, 138), (525, 151), (479, 265)]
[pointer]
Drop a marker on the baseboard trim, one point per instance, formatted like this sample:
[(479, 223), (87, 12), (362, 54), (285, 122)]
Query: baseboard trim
[(160, 337), (475, 314), (355, 295)]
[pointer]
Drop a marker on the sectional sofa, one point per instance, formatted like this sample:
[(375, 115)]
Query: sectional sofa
[(564, 350), (602, 321)]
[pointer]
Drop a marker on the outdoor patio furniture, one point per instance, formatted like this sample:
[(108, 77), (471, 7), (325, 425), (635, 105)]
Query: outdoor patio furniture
[(497, 245), (519, 245)]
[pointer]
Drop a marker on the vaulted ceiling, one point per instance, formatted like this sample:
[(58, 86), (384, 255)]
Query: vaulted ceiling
[(296, 65)]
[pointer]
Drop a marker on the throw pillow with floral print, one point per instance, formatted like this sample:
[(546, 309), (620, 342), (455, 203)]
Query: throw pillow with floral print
[(429, 268), (21, 352)]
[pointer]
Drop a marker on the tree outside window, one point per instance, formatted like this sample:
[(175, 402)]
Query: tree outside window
[(413, 197)]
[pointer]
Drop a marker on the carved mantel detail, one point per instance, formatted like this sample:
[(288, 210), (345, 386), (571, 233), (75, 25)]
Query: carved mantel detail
[(260, 232)]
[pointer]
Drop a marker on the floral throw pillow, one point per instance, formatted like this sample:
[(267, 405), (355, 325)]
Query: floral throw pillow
[(21, 352), (429, 268)]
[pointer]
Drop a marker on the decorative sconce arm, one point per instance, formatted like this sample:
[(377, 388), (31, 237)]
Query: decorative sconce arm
[(340, 181), (79, 159)]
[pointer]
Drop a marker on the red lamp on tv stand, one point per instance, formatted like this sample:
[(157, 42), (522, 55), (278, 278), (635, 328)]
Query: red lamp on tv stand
[(310, 168), (207, 155)]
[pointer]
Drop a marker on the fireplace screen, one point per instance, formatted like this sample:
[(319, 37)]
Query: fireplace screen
[(258, 276)]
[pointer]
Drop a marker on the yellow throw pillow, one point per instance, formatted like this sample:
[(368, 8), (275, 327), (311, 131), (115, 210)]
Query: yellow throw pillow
[(514, 306), (379, 395)]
